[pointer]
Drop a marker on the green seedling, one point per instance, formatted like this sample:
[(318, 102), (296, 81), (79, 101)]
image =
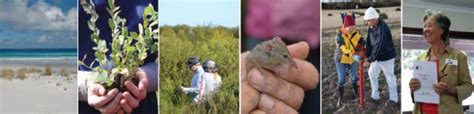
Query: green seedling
[(128, 48)]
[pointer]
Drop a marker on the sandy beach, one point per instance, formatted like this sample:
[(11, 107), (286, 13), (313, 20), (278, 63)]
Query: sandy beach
[(39, 93)]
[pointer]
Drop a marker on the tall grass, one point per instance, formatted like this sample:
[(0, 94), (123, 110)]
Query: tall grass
[(34, 70), (7, 74), (21, 73), (218, 43), (64, 72), (48, 71)]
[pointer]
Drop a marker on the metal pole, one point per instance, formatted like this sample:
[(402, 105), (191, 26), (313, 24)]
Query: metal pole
[(361, 85)]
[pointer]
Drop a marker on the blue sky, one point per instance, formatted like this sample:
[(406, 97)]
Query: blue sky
[(26, 24), (53, 23), (200, 12)]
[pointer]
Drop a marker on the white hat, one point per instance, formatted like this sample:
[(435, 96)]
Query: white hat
[(371, 13)]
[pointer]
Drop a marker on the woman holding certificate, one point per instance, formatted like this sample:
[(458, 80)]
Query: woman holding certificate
[(454, 83)]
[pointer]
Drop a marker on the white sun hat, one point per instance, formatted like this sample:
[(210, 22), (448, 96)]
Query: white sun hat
[(371, 13)]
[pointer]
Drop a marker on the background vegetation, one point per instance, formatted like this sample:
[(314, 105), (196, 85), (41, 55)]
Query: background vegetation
[(218, 43)]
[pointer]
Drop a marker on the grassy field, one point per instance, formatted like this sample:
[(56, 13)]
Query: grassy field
[(220, 44)]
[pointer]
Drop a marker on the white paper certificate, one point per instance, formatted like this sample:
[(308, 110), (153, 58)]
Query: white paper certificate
[(426, 73)]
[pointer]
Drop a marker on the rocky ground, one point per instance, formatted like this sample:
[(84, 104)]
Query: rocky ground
[(329, 75)]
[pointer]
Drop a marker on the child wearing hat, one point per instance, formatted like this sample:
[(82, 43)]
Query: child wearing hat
[(349, 42)]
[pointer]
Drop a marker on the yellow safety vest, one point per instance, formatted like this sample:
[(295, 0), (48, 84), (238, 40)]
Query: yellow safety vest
[(347, 49)]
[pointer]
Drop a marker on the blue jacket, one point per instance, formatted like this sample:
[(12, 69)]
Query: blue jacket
[(379, 43)]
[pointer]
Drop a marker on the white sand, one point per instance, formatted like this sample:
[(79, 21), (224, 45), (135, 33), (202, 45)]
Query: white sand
[(38, 93)]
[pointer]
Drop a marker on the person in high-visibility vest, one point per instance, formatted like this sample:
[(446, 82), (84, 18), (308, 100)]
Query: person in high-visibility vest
[(348, 40)]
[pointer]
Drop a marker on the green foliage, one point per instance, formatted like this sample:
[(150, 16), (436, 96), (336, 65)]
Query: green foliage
[(218, 43), (128, 49)]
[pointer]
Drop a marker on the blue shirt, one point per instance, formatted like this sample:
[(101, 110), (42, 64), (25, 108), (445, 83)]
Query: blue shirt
[(194, 89), (197, 77)]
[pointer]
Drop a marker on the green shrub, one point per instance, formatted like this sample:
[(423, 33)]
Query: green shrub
[(128, 49), (220, 44)]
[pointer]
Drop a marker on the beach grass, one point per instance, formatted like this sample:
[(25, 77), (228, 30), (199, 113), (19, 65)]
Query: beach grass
[(34, 70), (24, 73), (21, 73), (64, 72), (7, 74), (48, 71)]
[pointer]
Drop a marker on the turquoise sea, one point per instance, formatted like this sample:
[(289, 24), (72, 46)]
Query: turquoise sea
[(38, 54)]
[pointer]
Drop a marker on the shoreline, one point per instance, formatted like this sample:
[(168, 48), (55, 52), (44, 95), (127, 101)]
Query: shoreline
[(12, 64)]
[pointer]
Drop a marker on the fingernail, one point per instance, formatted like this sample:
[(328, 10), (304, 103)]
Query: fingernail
[(102, 91), (115, 91), (267, 102)]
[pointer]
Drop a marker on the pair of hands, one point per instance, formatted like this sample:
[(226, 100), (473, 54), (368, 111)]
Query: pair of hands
[(440, 87), (114, 101), (262, 91)]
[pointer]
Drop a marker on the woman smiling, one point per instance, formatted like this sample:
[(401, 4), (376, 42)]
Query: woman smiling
[(454, 83)]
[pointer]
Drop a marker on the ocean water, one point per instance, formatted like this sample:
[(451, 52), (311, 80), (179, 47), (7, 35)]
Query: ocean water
[(38, 54)]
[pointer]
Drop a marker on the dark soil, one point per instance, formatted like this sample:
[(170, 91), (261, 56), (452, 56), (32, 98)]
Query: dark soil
[(119, 82)]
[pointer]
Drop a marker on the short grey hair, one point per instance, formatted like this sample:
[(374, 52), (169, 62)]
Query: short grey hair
[(441, 20)]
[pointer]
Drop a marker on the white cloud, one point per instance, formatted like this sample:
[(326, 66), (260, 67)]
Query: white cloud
[(42, 39), (39, 15), (12, 11), (54, 37)]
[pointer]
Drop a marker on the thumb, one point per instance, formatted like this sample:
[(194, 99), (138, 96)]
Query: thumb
[(102, 90), (97, 89)]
